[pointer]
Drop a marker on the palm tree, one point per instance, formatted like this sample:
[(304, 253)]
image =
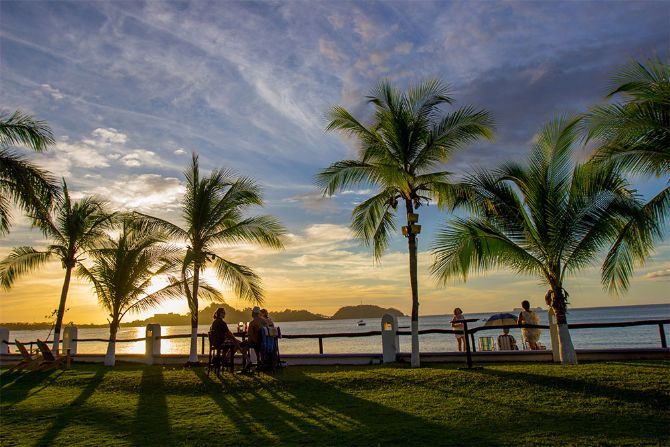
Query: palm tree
[(635, 136), (549, 218), (123, 271), (74, 228), (21, 182), (410, 136), (213, 214)]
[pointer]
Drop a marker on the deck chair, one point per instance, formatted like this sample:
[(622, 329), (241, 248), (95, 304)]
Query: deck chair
[(507, 342), (486, 343), (29, 361), (268, 355), (48, 359)]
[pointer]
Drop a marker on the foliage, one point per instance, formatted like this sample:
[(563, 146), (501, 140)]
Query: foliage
[(617, 403), (21, 182)]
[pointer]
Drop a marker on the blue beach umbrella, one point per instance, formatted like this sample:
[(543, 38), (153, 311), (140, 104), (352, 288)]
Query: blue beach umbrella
[(503, 319)]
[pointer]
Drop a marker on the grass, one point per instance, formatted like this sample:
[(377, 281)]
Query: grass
[(616, 403)]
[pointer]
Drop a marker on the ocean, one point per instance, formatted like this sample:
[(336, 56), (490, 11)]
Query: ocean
[(628, 337)]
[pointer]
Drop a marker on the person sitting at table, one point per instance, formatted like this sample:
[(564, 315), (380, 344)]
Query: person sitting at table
[(221, 333), (253, 340), (266, 317)]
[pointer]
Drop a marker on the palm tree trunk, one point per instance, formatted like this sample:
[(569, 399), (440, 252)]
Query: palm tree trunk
[(411, 241), (566, 348), (193, 355), (110, 357), (61, 309)]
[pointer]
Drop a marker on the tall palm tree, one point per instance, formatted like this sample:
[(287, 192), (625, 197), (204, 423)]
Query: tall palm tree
[(213, 214), (409, 138), (635, 136), (21, 182), (549, 218), (74, 228), (123, 271)]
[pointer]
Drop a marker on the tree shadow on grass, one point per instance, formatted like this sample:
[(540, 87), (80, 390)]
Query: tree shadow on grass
[(64, 418), (152, 425), (20, 385), (311, 411)]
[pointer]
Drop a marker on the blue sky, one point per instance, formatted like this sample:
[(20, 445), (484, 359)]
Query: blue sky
[(132, 88)]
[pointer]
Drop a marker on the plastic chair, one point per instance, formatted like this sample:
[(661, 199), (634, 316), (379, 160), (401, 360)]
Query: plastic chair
[(486, 344)]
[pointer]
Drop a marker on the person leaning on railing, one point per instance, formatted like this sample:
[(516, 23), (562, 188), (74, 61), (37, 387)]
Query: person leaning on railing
[(221, 333)]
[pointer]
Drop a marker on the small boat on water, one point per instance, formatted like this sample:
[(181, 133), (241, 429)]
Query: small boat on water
[(361, 323)]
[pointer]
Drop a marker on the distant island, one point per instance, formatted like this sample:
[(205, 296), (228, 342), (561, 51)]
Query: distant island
[(232, 317), (364, 311)]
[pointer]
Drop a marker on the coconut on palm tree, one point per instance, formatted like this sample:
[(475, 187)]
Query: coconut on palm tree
[(73, 227), (549, 218), (634, 135), (401, 151), (213, 215), (22, 183), (124, 270)]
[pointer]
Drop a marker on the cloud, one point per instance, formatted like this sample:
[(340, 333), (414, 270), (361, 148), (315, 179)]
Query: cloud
[(314, 201), (144, 192), (180, 152), (53, 92), (657, 274), (329, 49)]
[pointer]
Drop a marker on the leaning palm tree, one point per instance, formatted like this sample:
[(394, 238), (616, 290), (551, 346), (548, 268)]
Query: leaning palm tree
[(213, 214), (74, 228), (635, 136), (21, 182), (549, 218), (408, 139), (123, 271)]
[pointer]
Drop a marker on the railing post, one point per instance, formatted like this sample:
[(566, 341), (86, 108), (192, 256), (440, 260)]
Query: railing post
[(661, 330), (4, 337), (153, 343), (202, 350), (390, 341), (69, 340), (320, 345), (468, 354), (473, 345)]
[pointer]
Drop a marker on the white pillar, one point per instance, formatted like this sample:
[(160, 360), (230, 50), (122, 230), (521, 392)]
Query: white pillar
[(4, 337), (553, 331), (69, 340), (390, 340), (153, 343)]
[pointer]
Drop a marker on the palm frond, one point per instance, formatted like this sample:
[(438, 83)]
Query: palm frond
[(20, 261), (22, 129), (245, 283), (373, 221)]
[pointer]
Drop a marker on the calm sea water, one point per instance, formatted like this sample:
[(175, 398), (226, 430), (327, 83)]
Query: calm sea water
[(630, 337)]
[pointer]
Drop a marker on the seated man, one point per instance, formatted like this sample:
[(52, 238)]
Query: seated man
[(254, 334), (221, 333), (506, 342)]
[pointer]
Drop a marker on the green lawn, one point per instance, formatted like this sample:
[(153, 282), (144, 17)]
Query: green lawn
[(617, 403)]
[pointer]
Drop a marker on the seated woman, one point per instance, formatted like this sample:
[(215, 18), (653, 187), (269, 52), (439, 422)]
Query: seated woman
[(221, 334)]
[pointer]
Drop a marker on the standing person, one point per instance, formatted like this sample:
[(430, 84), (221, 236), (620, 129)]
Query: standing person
[(221, 333), (527, 316), (460, 338)]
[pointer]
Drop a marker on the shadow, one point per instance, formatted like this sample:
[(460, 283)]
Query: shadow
[(151, 425), (20, 385), (64, 417), (642, 398), (301, 409)]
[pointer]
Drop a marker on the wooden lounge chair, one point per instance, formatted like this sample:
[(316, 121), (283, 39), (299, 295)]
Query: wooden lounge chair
[(29, 361), (48, 358)]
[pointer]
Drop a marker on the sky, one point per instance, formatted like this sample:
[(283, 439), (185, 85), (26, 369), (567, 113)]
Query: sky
[(131, 89)]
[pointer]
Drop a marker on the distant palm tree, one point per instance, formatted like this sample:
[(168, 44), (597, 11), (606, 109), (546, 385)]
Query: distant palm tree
[(74, 228), (410, 136), (548, 218), (21, 182), (213, 214), (123, 271), (635, 136)]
